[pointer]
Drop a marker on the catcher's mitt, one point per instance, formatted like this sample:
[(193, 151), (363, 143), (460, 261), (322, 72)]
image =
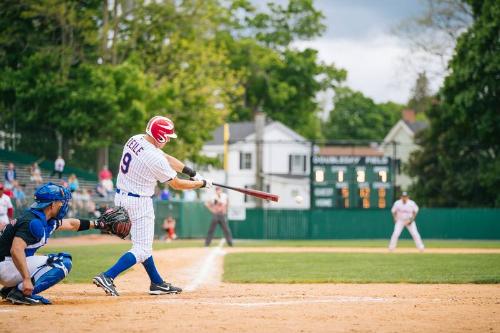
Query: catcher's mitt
[(115, 221)]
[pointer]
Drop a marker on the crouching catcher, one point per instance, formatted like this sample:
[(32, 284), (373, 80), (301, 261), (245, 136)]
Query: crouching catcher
[(25, 275)]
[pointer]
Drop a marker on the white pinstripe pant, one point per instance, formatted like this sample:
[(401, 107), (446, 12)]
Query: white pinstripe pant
[(142, 216)]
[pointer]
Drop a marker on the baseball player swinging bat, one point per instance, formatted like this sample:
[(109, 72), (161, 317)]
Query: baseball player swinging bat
[(255, 193)]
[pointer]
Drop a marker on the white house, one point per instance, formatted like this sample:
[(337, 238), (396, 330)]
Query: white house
[(285, 163), (400, 143)]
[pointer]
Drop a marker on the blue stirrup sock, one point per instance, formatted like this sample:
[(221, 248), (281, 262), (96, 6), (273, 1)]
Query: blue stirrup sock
[(125, 262), (150, 267)]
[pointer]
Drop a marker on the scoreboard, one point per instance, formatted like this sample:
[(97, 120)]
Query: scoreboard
[(351, 182)]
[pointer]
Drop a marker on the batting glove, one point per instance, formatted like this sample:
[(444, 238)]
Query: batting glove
[(207, 183), (197, 176)]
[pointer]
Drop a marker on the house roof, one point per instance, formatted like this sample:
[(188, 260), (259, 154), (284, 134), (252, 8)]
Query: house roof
[(350, 151), (416, 126), (410, 128), (240, 131)]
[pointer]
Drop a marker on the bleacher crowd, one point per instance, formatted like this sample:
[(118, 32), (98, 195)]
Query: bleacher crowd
[(90, 198)]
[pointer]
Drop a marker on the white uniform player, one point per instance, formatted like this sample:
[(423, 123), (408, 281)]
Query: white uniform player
[(404, 212), (5, 208), (142, 165)]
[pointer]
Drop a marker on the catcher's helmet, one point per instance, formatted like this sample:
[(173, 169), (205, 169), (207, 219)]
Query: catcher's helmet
[(161, 128), (49, 193)]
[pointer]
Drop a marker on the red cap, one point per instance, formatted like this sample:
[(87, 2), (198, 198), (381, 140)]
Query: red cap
[(1, 186)]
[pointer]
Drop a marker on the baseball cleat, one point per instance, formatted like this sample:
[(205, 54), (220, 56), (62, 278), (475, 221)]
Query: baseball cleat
[(105, 283), (163, 288), (43, 300), (17, 297), (5, 291)]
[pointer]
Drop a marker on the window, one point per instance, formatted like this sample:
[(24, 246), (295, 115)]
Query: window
[(297, 164), (245, 161), (249, 198)]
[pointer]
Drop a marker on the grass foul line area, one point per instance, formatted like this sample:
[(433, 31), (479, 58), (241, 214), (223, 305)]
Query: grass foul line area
[(361, 268)]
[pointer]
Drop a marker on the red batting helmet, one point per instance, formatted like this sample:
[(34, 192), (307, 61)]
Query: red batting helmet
[(161, 128)]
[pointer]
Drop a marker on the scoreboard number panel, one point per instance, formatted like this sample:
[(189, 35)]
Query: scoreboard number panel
[(342, 182)]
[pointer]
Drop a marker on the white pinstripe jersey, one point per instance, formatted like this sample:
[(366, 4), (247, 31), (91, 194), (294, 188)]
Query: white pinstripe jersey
[(141, 166)]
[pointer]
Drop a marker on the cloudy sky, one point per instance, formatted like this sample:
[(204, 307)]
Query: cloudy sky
[(359, 39)]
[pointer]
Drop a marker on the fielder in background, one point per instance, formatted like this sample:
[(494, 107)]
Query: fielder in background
[(142, 165), (404, 212), (23, 274), (218, 207)]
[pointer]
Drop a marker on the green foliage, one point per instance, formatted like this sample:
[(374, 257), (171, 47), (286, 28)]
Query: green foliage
[(95, 71), (357, 117), (459, 163)]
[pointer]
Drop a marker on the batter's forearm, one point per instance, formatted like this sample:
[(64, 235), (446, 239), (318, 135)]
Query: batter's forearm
[(184, 184), (177, 165)]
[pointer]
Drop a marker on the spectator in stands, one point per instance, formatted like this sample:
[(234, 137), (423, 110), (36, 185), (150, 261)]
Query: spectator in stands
[(6, 208), (58, 167), (36, 174), (169, 228), (73, 183), (164, 194), (89, 203), (10, 176), (19, 196), (101, 191), (106, 179), (189, 195)]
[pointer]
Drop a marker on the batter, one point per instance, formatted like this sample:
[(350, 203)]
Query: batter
[(143, 163)]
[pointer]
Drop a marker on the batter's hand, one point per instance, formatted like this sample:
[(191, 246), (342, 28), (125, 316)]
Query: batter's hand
[(197, 176), (27, 287), (207, 183)]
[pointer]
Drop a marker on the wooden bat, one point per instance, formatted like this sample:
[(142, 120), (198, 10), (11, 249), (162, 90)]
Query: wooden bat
[(255, 193)]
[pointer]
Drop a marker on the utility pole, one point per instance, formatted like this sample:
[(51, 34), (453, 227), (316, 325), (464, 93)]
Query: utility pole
[(260, 123), (394, 158)]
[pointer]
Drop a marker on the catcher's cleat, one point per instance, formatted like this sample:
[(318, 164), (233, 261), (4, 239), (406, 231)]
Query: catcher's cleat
[(163, 288), (5, 291), (43, 300), (105, 283), (17, 297)]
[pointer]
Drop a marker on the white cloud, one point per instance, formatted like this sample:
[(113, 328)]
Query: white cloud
[(375, 66)]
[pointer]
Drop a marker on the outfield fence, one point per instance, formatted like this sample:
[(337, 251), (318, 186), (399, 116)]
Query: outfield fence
[(193, 220)]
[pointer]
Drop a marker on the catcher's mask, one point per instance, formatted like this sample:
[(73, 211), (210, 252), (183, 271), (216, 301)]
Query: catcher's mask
[(49, 193), (161, 129)]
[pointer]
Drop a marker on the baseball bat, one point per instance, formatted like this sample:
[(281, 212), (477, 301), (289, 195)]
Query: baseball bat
[(255, 193)]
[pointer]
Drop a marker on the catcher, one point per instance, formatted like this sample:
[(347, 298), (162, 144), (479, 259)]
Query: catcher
[(25, 275)]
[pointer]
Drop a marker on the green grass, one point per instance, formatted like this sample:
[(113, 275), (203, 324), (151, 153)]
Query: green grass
[(361, 268), (369, 243), (88, 260)]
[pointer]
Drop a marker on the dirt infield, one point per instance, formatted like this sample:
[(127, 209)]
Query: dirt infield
[(208, 305)]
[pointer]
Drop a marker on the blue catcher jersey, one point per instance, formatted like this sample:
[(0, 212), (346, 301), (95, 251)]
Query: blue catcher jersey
[(32, 227)]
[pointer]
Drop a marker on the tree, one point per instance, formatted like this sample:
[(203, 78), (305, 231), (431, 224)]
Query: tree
[(421, 98), (459, 164), (432, 36), (281, 81), (357, 117)]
